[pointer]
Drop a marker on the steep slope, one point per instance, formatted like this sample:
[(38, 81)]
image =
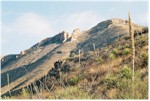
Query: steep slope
[(34, 63)]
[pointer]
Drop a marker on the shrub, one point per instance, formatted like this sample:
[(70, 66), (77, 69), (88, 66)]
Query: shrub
[(112, 56), (73, 55), (126, 89), (111, 81), (75, 80), (99, 60), (143, 40), (145, 59), (126, 72), (115, 51), (126, 51), (125, 46), (25, 93)]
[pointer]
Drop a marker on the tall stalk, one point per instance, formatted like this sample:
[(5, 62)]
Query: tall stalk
[(132, 46)]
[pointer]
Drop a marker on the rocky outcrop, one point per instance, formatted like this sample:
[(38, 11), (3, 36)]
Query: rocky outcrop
[(64, 36), (23, 52), (114, 22), (76, 33), (7, 59), (59, 38)]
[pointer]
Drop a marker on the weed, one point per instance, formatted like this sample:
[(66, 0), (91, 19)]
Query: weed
[(99, 60), (25, 93), (126, 72), (75, 80), (111, 81), (112, 56), (126, 51), (145, 59), (115, 51)]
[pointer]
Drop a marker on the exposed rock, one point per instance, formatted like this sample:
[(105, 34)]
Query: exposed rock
[(22, 52), (64, 36), (59, 38), (7, 59), (115, 21), (76, 33)]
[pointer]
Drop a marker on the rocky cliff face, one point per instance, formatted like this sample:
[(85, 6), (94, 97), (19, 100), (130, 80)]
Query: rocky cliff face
[(59, 38), (76, 33), (64, 36), (39, 59)]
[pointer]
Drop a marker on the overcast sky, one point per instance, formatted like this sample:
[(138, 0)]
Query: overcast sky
[(28, 22)]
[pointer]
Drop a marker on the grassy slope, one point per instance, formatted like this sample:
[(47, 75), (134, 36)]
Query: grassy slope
[(106, 74)]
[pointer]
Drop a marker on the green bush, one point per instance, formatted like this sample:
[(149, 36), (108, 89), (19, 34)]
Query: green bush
[(112, 56), (115, 51), (75, 80), (126, 51), (126, 88), (73, 55), (25, 93), (111, 83), (145, 59), (143, 40), (125, 46), (99, 60), (126, 72)]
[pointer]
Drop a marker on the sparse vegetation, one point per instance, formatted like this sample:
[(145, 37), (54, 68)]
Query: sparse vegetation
[(112, 56), (72, 92), (99, 60), (126, 51), (107, 74), (25, 93), (115, 51), (74, 80), (144, 59), (111, 82), (126, 72)]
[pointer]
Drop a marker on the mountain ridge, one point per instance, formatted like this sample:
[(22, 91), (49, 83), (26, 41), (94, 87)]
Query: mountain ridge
[(35, 62)]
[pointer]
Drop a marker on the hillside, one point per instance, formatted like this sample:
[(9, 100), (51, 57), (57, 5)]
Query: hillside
[(104, 52)]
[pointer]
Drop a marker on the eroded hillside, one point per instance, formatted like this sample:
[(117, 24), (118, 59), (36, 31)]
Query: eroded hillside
[(104, 53)]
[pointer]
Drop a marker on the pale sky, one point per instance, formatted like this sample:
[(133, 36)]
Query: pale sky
[(24, 23)]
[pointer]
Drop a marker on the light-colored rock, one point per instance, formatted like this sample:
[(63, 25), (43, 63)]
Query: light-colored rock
[(22, 52), (76, 33), (2, 60), (64, 36)]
